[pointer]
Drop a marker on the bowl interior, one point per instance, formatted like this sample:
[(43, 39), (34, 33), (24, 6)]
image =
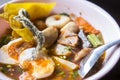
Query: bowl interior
[(99, 19)]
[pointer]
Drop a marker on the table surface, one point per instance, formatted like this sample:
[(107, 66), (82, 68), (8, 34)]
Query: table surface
[(112, 7)]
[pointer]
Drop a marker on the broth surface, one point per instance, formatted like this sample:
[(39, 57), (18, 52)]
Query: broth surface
[(65, 38)]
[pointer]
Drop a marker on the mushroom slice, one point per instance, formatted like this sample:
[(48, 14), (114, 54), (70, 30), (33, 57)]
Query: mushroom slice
[(81, 54), (51, 35), (57, 21), (70, 26), (42, 67), (71, 65)]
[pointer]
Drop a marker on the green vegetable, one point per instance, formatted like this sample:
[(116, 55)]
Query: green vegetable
[(62, 73), (59, 72), (57, 65), (100, 37), (5, 39), (9, 66), (65, 14), (3, 69), (19, 69), (68, 48), (75, 74), (62, 57), (94, 40)]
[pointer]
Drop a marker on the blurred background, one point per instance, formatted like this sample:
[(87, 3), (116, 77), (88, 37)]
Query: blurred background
[(3, 1), (113, 8)]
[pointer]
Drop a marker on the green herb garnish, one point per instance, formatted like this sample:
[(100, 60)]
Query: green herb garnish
[(75, 74), (65, 14), (5, 39)]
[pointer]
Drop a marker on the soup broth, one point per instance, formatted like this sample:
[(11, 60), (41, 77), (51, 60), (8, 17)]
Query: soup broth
[(50, 47)]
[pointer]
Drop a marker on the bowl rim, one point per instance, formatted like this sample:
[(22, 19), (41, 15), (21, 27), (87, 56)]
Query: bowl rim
[(106, 68)]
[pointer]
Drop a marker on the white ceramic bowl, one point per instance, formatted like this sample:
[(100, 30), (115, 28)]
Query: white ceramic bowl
[(99, 19)]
